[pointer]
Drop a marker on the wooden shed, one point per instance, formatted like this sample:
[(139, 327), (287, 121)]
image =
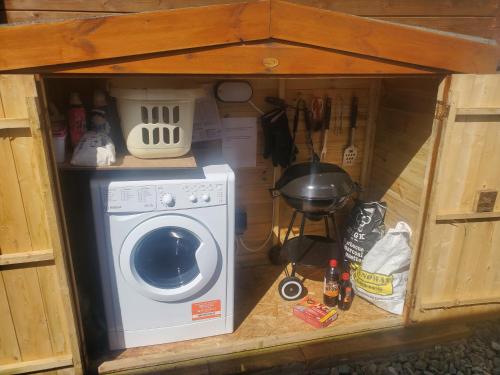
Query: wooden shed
[(429, 131)]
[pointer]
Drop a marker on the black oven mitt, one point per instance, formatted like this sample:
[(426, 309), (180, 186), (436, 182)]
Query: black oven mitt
[(278, 142)]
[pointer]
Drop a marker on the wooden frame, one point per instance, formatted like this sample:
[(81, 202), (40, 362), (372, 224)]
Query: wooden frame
[(266, 37), (94, 39), (380, 39), (132, 34), (274, 58)]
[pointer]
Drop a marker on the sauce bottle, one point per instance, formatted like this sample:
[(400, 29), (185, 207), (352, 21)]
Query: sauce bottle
[(346, 294), (331, 285)]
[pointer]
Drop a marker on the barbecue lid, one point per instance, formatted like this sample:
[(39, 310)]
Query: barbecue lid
[(315, 181)]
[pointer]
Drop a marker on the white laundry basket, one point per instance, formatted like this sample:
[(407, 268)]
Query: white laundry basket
[(156, 123)]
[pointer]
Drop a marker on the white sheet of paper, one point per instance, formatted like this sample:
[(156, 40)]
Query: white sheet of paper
[(239, 141), (206, 123)]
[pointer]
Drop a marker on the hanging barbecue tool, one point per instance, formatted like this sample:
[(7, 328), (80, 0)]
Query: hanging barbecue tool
[(325, 127), (351, 151), (317, 113), (278, 142), (341, 115), (301, 106)]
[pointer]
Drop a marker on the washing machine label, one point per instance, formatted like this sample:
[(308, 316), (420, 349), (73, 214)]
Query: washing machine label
[(131, 198), (206, 310)]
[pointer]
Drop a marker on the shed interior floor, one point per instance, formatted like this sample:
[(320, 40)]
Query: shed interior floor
[(262, 319)]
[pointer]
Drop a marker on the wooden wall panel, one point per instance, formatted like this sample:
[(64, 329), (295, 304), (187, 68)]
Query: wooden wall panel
[(460, 257), (255, 197), (34, 321), (253, 184), (9, 347), (28, 312), (401, 147)]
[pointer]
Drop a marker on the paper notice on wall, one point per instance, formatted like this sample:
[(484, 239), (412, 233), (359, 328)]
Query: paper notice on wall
[(239, 141), (206, 123)]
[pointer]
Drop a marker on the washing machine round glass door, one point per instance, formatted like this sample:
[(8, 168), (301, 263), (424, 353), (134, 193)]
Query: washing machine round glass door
[(169, 258)]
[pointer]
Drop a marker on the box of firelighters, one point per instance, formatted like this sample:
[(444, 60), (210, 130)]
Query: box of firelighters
[(314, 312)]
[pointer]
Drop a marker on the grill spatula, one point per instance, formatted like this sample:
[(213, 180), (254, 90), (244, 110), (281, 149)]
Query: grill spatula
[(351, 151)]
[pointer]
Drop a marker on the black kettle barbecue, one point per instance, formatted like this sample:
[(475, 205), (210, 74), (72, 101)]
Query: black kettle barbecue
[(316, 190)]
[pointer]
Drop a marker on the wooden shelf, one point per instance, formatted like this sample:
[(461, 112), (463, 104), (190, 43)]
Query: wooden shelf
[(130, 162), (478, 111), (467, 216), (262, 320)]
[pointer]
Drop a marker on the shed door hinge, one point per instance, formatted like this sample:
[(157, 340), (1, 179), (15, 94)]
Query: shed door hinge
[(442, 110)]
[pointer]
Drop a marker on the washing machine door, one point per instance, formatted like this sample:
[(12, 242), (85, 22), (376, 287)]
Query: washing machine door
[(169, 258)]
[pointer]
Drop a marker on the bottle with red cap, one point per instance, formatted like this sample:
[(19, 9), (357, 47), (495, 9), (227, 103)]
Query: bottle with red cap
[(332, 284), (346, 294)]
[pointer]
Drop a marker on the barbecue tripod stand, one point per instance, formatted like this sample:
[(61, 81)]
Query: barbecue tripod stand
[(305, 250)]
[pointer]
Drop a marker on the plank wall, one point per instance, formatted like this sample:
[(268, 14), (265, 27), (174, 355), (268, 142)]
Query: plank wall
[(460, 254), (36, 329), (253, 184), (472, 17), (401, 147)]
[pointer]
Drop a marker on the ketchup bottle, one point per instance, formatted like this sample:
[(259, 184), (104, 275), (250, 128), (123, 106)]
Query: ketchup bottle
[(331, 285), (346, 293)]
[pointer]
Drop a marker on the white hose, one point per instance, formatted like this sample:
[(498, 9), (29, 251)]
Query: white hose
[(256, 108), (271, 232)]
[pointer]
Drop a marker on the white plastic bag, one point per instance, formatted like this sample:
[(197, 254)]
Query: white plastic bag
[(382, 275), (94, 149)]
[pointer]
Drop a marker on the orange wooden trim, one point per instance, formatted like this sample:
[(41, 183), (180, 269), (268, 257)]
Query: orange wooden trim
[(328, 29), (34, 45), (270, 58)]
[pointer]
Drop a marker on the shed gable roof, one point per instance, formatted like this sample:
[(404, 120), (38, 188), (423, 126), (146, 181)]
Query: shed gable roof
[(87, 41)]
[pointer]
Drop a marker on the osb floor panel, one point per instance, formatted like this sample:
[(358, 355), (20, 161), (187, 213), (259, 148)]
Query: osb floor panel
[(262, 319)]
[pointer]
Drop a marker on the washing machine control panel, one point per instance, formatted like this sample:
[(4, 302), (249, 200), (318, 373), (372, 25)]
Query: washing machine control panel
[(143, 197), (189, 195)]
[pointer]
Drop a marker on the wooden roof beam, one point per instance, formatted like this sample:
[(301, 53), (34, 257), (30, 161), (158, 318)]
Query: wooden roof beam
[(340, 31), (260, 58), (34, 45)]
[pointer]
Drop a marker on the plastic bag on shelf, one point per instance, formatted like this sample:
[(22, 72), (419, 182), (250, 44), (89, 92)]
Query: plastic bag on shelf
[(382, 275), (95, 149)]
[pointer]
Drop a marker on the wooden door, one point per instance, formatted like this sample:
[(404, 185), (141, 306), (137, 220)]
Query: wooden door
[(458, 272), (37, 324)]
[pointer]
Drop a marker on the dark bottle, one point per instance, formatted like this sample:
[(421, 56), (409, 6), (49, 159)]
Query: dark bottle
[(331, 286), (346, 294)]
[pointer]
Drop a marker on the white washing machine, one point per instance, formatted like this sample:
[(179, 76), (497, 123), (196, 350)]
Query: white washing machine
[(166, 255)]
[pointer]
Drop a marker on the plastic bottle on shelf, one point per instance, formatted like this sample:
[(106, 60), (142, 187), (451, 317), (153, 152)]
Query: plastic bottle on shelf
[(346, 294), (331, 285), (77, 121)]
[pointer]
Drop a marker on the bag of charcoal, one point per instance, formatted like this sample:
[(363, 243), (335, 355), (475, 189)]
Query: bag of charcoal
[(364, 228)]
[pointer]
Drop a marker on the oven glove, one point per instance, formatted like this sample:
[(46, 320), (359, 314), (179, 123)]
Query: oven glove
[(278, 143)]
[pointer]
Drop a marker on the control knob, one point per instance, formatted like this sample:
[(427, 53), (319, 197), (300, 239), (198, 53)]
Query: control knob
[(193, 198), (205, 197), (168, 200)]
